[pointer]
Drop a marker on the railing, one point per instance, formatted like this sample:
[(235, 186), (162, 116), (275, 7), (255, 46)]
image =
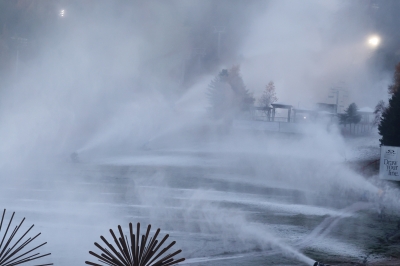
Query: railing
[(280, 119), (261, 115), (269, 126)]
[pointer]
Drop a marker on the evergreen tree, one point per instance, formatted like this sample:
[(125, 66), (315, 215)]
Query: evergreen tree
[(228, 95), (389, 128), (216, 94), (245, 98), (351, 115), (396, 80)]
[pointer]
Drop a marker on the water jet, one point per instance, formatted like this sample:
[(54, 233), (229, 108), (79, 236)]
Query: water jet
[(320, 264)]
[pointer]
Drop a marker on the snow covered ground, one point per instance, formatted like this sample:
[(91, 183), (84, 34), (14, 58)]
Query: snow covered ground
[(362, 148)]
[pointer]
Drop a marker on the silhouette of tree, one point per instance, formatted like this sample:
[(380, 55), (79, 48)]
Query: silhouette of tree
[(268, 96), (396, 81), (228, 95), (217, 94), (389, 127), (245, 98), (351, 115)]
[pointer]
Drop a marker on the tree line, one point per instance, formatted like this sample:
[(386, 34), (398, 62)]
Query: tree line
[(229, 98)]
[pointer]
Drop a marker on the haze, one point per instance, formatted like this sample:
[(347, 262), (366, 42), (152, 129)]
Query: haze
[(123, 86)]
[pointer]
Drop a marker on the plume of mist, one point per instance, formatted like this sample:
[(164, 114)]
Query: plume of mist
[(308, 47), (105, 55), (120, 77)]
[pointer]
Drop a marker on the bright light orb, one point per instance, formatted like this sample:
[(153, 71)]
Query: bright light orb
[(62, 13), (374, 41)]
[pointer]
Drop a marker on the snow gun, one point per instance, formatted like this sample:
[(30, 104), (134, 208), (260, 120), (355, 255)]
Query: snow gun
[(320, 264)]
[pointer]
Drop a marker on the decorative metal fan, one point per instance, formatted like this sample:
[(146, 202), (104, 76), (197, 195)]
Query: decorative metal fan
[(13, 254), (130, 253)]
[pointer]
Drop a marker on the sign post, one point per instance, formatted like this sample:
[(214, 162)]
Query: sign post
[(390, 162)]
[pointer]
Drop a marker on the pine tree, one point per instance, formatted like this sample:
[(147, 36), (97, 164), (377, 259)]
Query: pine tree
[(246, 99), (389, 128), (216, 94), (228, 95), (396, 81), (351, 115)]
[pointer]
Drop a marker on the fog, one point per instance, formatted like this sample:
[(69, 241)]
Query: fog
[(103, 59), (309, 47), (123, 84)]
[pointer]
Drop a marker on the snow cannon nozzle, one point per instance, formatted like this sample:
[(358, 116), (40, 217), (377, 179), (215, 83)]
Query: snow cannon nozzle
[(320, 264), (74, 157)]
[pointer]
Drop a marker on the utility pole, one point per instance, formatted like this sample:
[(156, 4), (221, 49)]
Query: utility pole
[(219, 31), (336, 90), (183, 71), (16, 64), (186, 57), (20, 42), (200, 53)]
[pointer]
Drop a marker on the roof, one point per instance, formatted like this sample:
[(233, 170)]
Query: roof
[(281, 105), (303, 110), (326, 113), (327, 104), (263, 107)]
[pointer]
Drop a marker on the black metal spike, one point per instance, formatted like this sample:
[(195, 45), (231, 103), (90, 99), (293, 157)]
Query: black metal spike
[(134, 250), (5, 234), (12, 253)]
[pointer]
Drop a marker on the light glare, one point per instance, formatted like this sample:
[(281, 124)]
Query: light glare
[(374, 41)]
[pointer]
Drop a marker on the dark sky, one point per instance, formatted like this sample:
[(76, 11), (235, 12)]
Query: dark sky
[(37, 19), (175, 41), (130, 66)]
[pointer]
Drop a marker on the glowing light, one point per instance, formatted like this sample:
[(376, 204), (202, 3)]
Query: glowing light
[(374, 41), (62, 13), (305, 117)]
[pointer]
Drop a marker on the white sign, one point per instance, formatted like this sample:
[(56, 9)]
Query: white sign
[(390, 162)]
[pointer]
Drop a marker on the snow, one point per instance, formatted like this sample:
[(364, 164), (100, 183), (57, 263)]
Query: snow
[(363, 148)]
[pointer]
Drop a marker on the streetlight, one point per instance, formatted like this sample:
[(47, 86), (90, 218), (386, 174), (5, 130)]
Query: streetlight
[(374, 41)]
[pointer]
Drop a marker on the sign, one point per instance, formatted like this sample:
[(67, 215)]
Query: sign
[(390, 163)]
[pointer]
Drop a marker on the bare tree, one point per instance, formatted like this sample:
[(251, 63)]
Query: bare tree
[(268, 96)]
